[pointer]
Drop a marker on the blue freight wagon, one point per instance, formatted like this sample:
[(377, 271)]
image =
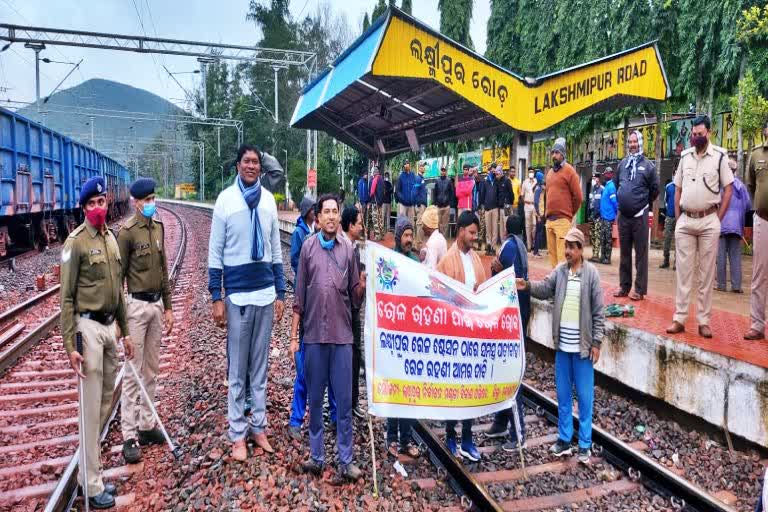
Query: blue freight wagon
[(41, 173)]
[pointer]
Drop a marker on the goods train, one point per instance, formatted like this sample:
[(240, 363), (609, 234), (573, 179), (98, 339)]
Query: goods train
[(42, 172)]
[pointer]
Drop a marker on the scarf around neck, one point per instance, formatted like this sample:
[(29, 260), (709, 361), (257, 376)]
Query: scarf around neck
[(326, 244), (634, 157), (252, 196)]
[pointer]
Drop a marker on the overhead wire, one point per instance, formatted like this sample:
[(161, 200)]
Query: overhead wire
[(56, 48)]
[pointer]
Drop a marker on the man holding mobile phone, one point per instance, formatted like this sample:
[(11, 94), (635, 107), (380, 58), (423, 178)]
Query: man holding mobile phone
[(577, 328)]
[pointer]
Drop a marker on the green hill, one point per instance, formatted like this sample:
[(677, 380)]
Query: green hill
[(107, 95)]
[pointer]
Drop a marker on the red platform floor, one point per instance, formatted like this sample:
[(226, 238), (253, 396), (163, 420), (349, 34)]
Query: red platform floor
[(730, 312)]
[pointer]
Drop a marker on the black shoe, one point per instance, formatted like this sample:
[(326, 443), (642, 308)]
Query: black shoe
[(357, 413), (131, 452), (665, 264), (561, 448), (154, 436), (350, 472), (312, 466), (497, 430), (511, 446), (109, 488), (102, 501), (295, 432), (605, 262)]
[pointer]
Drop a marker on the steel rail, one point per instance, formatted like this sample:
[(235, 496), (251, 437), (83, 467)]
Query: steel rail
[(65, 493), (14, 311), (653, 475)]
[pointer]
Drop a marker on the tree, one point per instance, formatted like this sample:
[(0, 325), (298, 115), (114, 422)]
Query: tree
[(752, 34), (380, 9), (366, 22), (455, 17), (407, 7), (752, 111)]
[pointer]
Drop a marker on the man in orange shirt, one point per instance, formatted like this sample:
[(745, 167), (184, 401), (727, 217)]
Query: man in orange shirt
[(564, 197)]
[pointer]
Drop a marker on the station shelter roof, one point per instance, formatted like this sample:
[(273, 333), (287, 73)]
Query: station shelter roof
[(401, 84)]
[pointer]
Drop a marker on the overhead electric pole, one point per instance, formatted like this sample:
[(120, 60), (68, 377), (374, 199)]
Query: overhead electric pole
[(37, 47)]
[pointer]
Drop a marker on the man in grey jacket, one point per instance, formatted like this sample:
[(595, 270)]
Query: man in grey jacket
[(637, 187), (577, 329)]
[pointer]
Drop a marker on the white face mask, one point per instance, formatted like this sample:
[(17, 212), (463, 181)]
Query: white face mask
[(530, 176)]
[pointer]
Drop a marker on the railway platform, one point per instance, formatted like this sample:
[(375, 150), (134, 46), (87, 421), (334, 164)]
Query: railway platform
[(719, 380)]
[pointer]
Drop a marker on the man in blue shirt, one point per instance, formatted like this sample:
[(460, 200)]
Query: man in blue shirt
[(364, 197), (669, 221), (513, 253), (420, 196), (305, 227), (594, 215), (405, 192), (609, 206)]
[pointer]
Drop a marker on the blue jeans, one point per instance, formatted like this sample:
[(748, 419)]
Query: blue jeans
[(299, 402), (466, 430), (249, 329), (571, 370), (329, 364)]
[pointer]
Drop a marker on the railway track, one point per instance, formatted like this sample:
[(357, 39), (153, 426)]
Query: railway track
[(618, 470), (623, 468), (22, 318), (38, 405)]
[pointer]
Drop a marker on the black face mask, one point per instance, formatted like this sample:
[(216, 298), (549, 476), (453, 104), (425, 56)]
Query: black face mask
[(556, 163)]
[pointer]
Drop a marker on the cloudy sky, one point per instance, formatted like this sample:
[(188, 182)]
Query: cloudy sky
[(221, 21)]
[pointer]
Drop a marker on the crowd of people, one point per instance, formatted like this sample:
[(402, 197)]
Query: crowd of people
[(705, 206), (704, 190)]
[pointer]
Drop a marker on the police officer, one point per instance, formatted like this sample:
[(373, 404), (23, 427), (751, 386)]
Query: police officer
[(702, 174), (144, 267), (91, 303), (757, 183)]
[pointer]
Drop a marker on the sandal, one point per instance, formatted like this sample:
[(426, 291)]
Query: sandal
[(635, 296), (621, 293)]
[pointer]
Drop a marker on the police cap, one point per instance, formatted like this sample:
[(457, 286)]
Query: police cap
[(93, 187), (142, 187)]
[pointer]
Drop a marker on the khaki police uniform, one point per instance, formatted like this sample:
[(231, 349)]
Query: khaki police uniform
[(700, 180), (757, 183), (144, 267), (91, 303)]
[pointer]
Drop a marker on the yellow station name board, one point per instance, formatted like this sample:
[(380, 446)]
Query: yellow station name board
[(409, 51)]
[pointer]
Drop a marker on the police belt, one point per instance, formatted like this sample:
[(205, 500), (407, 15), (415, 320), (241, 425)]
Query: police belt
[(147, 296), (102, 318), (703, 213)]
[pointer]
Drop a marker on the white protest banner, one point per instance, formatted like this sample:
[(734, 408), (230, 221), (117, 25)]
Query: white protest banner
[(434, 349)]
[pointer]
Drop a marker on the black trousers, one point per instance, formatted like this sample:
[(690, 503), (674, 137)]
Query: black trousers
[(633, 232)]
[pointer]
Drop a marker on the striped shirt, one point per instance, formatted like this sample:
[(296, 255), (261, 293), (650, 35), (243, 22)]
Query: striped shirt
[(570, 333)]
